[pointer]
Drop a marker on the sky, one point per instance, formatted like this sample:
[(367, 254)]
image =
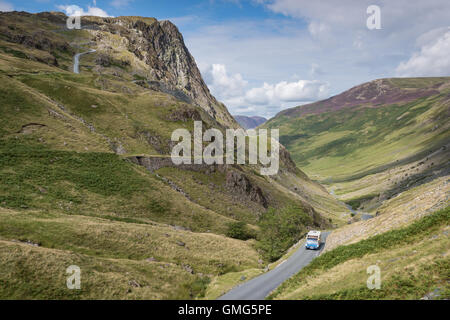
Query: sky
[(262, 56)]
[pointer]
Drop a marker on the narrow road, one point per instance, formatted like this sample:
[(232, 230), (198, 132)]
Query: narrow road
[(260, 287), (76, 60), (364, 216)]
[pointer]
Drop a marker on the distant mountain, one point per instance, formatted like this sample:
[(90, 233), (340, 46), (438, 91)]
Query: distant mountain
[(250, 122), (374, 94)]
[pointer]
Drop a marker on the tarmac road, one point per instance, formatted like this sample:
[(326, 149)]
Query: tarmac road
[(260, 287), (76, 60)]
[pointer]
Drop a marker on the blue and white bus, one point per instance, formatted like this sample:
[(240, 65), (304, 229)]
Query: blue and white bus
[(313, 240)]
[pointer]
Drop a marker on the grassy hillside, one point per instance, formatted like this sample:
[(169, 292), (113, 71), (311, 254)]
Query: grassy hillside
[(413, 261), (72, 191), (365, 150), (383, 148)]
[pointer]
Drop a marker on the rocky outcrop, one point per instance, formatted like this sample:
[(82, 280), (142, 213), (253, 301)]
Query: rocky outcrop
[(240, 185), (160, 47), (184, 115), (167, 88), (236, 183), (152, 50), (161, 145), (286, 160), (155, 163)]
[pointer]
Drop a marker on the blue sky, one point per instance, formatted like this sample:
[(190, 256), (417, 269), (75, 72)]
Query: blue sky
[(262, 56)]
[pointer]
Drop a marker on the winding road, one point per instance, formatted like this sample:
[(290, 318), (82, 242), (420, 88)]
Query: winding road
[(76, 60), (260, 287), (364, 216)]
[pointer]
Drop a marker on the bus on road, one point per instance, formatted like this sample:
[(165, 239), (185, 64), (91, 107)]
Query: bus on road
[(313, 240)]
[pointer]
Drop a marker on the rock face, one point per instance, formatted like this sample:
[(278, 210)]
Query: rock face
[(237, 183), (241, 185), (159, 54), (154, 50), (185, 115)]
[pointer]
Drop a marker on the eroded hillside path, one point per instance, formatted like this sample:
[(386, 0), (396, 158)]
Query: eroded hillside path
[(260, 287)]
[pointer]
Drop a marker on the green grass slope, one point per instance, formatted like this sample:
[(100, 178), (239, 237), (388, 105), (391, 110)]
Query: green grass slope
[(355, 147), (71, 192), (413, 261)]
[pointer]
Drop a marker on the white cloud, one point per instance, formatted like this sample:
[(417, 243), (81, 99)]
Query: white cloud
[(303, 90), (265, 100), (74, 10), (6, 6), (353, 13), (222, 84), (432, 60), (326, 41), (282, 92), (343, 23)]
